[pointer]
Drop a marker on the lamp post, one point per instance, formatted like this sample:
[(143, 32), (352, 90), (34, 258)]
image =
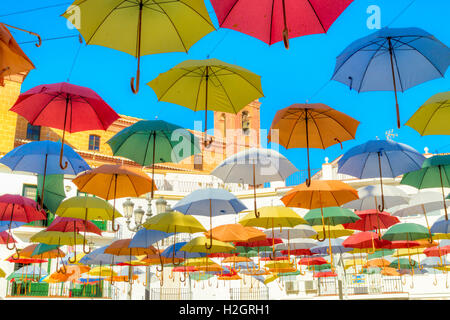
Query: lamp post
[(138, 213)]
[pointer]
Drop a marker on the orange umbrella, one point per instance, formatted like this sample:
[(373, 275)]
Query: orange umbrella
[(379, 262), (320, 194), (122, 248), (27, 252), (424, 243), (111, 181), (236, 233), (311, 126), (232, 277), (12, 59), (73, 272), (236, 259), (388, 271)]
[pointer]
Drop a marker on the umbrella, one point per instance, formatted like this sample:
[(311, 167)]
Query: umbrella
[(73, 225), (99, 257), (236, 233), (325, 274), (47, 249), (208, 85), (40, 157), (140, 28), (15, 208), (102, 272), (159, 138), (429, 119), (66, 107), (370, 197), (275, 20), (86, 208), (299, 231), (32, 272), (380, 158), (199, 244), (14, 60), (441, 225), (435, 173), (32, 251), (271, 217), (5, 225), (336, 246), (392, 59), (111, 181), (254, 166), (54, 190), (145, 237), (442, 249), (371, 220), (364, 240), (331, 216), (311, 126), (336, 231)]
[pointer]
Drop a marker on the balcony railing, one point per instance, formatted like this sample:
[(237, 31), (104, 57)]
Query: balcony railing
[(170, 294), (249, 294)]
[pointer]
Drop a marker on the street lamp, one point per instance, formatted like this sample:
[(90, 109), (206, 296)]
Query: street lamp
[(161, 205)]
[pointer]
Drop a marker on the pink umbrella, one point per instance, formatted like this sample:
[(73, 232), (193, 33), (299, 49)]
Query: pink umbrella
[(66, 107), (21, 209), (275, 20), (6, 238), (64, 224)]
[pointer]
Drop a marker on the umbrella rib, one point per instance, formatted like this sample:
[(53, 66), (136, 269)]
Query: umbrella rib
[(39, 113), (431, 116), (103, 21), (318, 131), (318, 19), (364, 166), (295, 125), (330, 117), (390, 165), (368, 64), (229, 11), (246, 80), (134, 187), (398, 70), (212, 25), (226, 93), (199, 87), (271, 23)]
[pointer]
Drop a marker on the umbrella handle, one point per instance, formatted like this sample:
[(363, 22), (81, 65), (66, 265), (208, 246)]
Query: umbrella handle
[(7, 244), (84, 247), (412, 283), (171, 275), (403, 279), (138, 76), (324, 236), (435, 282), (413, 262), (29, 32), (210, 244), (64, 167), (257, 214), (184, 279), (308, 182), (302, 273), (286, 38), (339, 141), (112, 227)]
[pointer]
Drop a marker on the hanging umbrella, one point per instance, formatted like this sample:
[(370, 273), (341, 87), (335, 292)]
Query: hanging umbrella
[(331, 231), (99, 257), (199, 244), (435, 173), (212, 202), (297, 244), (378, 159), (27, 272), (145, 237), (66, 107), (364, 240), (254, 166), (47, 250), (325, 274), (276, 20), (5, 225), (53, 189), (441, 225), (371, 196), (40, 157), (6, 238), (140, 28), (336, 246), (235, 233), (429, 119), (442, 249), (159, 138), (86, 208), (299, 231), (102, 272), (15, 208), (208, 85), (13, 60), (311, 126), (32, 251), (73, 225), (111, 181), (372, 220), (392, 59)]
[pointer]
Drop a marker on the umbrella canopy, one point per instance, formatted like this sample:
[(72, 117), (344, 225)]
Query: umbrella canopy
[(364, 240), (442, 249), (331, 216), (429, 119), (102, 272), (174, 221), (297, 244), (13, 59), (379, 262), (15, 208), (145, 237), (423, 202), (311, 126), (53, 191), (272, 217), (208, 84), (64, 224), (254, 166), (312, 261), (121, 248), (236, 233), (174, 251), (335, 247), (405, 231), (32, 251), (325, 274), (403, 263), (392, 59), (159, 138), (99, 257), (299, 231), (58, 238), (5, 225), (388, 271), (441, 225), (199, 244), (371, 220), (434, 173), (43, 248), (140, 28), (33, 272), (273, 20), (65, 106), (336, 231), (371, 196)]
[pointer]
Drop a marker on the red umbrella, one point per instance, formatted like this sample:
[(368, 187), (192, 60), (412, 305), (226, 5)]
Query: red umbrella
[(372, 220), (298, 252), (66, 107), (275, 20), (221, 255), (64, 224), (365, 240), (21, 209), (6, 238), (24, 260), (400, 244), (437, 251), (268, 242), (185, 269), (325, 274), (275, 258), (314, 261)]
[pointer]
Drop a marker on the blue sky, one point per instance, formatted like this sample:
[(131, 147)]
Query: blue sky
[(288, 76)]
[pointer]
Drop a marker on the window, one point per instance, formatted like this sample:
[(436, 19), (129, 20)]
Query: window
[(245, 123), (29, 191), (33, 132), (94, 142)]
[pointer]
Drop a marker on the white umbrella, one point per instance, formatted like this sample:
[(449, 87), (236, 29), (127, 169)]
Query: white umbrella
[(297, 244), (254, 166), (370, 197), (421, 203), (299, 231)]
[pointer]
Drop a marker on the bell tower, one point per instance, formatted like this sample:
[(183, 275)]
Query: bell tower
[(238, 131)]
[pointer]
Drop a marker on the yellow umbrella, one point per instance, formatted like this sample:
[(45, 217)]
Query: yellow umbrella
[(173, 222), (335, 231), (87, 208), (102, 272), (278, 265), (141, 27), (353, 263), (197, 262), (2, 273), (199, 245), (270, 278)]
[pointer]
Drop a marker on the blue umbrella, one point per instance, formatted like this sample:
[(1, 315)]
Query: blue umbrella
[(174, 251), (380, 158), (441, 225), (5, 225), (392, 59), (99, 257), (212, 202), (336, 247), (144, 238), (30, 271), (42, 157)]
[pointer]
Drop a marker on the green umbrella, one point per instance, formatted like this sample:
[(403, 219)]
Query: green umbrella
[(42, 248), (331, 216), (435, 173), (320, 267), (154, 141), (432, 117), (208, 84), (403, 263), (54, 190), (380, 254)]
